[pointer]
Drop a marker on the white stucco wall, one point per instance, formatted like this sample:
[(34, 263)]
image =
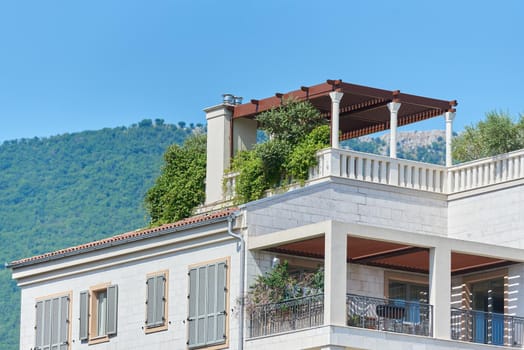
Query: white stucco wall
[(493, 217), (350, 201), (130, 278)]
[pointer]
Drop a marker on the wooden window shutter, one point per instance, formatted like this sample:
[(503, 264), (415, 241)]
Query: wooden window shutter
[(112, 309), (150, 302), (39, 327), (84, 315), (63, 336), (221, 301), (193, 297), (55, 314), (160, 299)]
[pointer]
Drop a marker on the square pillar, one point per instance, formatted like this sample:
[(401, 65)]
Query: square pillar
[(440, 290), (335, 275), (218, 149)]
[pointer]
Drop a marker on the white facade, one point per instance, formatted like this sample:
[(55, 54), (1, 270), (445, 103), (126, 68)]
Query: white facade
[(367, 220)]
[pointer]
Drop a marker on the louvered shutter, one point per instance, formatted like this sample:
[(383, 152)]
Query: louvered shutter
[(55, 314), (201, 306), (221, 301), (211, 302), (84, 315), (193, 297), (207, 304), (150, 302), (63, 336), (39, 327), (46, 329), (160, 299), (112, 309)]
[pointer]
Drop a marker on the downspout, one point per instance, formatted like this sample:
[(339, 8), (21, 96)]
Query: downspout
[(242, 278)]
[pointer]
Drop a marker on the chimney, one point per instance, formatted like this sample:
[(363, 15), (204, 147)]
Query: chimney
[(221, 131)]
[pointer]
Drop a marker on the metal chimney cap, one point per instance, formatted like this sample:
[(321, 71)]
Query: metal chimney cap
[(228, 98)]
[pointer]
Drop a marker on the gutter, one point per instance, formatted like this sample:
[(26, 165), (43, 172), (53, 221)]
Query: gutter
[(242, 249)]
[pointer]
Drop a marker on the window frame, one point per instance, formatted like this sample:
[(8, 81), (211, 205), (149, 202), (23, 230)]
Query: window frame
[(93, 313), (212, 345), (165, 323), (50, 297)]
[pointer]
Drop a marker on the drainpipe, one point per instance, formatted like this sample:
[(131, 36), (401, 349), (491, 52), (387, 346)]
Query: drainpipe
[(242, 278)]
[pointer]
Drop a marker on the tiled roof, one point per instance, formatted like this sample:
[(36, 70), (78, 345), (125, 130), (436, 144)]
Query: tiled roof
[(121, 238)]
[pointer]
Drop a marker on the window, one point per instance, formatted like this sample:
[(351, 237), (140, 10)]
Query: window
[(156, 302), (52, 323), (207, 319), (98, 313)]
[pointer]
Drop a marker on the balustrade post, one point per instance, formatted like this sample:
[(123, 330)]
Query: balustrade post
[(393, 172)]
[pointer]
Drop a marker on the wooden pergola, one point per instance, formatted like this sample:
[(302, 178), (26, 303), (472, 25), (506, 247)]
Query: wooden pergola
[(355, 110)]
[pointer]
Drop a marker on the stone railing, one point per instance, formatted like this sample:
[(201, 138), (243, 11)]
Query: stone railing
[(379, 169), (487, 171), (409, 174), (229, 186)]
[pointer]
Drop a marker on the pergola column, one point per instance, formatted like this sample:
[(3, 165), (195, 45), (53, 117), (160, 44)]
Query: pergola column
[(336, 96), (393, 115), (449, 135), (335, 272), (440, 290)]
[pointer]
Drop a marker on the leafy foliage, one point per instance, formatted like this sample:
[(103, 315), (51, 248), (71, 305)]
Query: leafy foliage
[(279, 285), (302, 158), (73, 188), (496, 135), (296, 134), (291, 121), (180, 187)]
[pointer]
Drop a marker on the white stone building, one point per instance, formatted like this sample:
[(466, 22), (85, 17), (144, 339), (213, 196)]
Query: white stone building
[(415, 255)]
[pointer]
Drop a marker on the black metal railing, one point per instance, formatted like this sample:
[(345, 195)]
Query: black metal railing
[(286, 316), (393, 315), (487, 327)]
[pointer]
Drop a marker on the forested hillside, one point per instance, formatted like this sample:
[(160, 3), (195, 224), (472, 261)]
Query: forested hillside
[(70, 189), (64, 190)]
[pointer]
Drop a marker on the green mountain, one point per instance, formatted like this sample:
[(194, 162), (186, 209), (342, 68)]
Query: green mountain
[(74, 188), (65, 190)]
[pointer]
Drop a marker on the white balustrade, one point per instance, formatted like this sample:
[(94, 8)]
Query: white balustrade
[(487, 171), (409, 174)]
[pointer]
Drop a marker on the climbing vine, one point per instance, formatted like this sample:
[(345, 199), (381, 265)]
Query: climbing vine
[(296, 132)]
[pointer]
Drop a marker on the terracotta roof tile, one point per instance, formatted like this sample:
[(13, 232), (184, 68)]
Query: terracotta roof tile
[(138, 234)]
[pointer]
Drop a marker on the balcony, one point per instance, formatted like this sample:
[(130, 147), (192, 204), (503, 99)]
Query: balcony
[(391, 315), (287, 316), (487, 328), (408, 174)]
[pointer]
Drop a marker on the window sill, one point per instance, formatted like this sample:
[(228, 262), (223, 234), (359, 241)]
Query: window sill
[(155, 329), (98, 340), (215, 346)]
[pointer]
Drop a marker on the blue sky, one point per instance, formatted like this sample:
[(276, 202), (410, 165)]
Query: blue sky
[(68, 66)]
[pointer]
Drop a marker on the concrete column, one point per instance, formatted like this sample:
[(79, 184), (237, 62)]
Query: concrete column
[(393, 115), (336, 96), (449, 135), (244, 134), (440, 290), (218, 149), (335, 272)]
